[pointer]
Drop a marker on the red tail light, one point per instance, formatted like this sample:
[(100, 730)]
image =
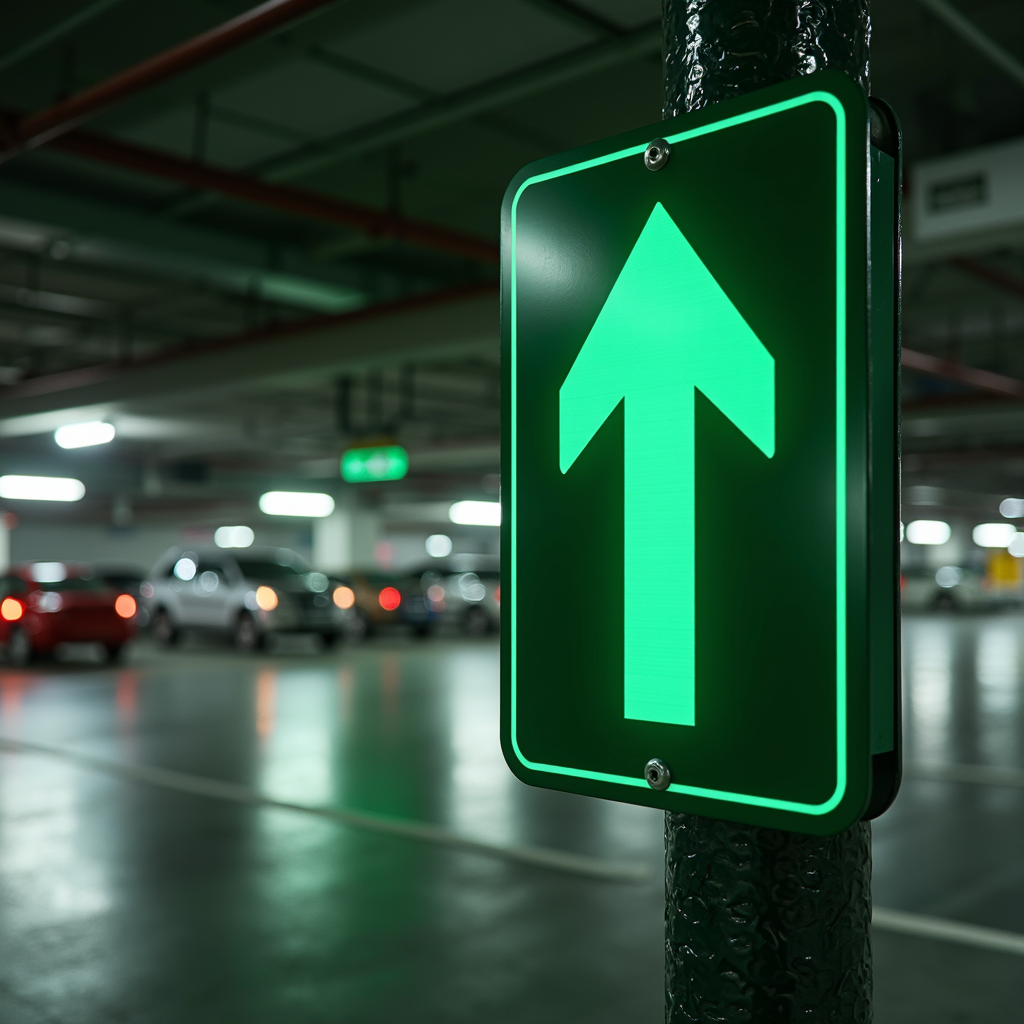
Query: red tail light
[(11, 609), (389, 599), (497, 593), (125, 606)]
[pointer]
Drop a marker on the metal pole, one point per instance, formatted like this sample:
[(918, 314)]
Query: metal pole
[(763, 926)]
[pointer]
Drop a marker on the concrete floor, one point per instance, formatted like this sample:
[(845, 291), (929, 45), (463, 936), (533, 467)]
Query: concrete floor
[(128, 901)]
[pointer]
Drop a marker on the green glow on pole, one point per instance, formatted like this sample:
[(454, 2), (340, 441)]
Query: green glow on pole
[(369, 465), (665, 329)]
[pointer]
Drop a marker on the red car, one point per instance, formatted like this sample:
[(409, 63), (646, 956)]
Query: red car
[(49, 603)]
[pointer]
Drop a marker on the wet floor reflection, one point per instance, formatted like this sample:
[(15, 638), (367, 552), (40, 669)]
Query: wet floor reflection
[(110, 889)]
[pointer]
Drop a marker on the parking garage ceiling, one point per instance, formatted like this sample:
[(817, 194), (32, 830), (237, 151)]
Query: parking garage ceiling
[(291, 243)]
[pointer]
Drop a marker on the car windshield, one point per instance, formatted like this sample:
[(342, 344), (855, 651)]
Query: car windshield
[(265, 569), (75, 583)]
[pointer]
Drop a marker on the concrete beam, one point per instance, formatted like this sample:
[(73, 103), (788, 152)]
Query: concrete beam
[(446, 325), (107, 235)]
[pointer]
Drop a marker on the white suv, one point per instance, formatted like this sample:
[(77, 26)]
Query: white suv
[(247, 596)]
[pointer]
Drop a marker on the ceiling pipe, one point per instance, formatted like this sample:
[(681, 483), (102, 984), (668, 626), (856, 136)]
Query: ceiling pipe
[(299, 202), (42, 127), (1007, 282), (970, 33), (56, 31), (985, 380)]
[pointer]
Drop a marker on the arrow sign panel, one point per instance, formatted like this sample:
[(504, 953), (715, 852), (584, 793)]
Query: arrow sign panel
[(698, 522)]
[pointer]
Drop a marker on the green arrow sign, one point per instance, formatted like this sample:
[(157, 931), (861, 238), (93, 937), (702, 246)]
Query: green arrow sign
[(666, 329), (698, 465)]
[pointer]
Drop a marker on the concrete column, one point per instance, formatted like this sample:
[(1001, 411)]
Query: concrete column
[(345, 539)]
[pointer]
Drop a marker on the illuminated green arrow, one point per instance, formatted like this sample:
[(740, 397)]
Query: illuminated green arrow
[(665, 329)]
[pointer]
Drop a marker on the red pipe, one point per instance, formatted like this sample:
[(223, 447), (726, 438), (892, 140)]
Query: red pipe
[(279, 197), (949, 370), (37, 129)]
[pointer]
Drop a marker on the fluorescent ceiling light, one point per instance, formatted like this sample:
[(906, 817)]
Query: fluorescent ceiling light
[(928, 531), (41, 488), (438, 545), (83, 435), (993, 535), (297, 503), (233, 537), (1012, 508), (49, 572), (476, 513)]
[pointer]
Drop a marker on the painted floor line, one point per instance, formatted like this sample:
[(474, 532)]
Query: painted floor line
[(926, 927), (535, 856), (976, 774)]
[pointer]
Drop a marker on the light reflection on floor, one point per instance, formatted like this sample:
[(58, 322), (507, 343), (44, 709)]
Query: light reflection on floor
[(111, 894)]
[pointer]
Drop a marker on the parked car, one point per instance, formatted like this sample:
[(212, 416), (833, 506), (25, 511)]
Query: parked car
[(45, 604), (384, 599), (247, 596), (952, 588), (469, 600), (127, 579)]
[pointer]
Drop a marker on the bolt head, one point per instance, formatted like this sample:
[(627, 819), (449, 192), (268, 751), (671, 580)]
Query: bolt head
[(656, 155), (657, 774)]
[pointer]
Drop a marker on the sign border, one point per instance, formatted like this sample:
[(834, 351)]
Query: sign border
[(842, 512)]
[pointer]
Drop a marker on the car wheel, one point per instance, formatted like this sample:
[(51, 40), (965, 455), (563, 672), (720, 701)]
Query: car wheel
[(422, 631), (165, 632), (247, 636), (19, 647), (114, 652), (476, 622), (329, 639)]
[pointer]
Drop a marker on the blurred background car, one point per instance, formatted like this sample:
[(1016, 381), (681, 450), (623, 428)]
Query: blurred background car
[(246, 597), (387, 599), (126, 579), (955, 588), (470, 601), (46, 604)]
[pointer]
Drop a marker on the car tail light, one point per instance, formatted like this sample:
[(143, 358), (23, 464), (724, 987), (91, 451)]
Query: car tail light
[(266, 598), (389, 599), (344, 597), (497, 593), (11, 609), (125, 606), (435, 595)]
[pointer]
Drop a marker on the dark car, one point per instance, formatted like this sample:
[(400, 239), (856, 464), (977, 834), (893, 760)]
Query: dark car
[(46, 604), (384, 599)]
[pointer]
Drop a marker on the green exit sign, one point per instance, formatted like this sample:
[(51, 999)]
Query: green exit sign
[(369, 465), (700, 523)]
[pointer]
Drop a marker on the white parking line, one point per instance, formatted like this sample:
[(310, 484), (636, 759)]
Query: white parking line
[(535, 856), (948, 931)]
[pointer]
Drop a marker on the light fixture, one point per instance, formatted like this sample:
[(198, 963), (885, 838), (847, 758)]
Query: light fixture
[(1016, 545), (1012, 508), (476, 513), (233, 537), (993, 535), (928, 531), (266, 598), (84, 435), (49, 572), (344, 597), (297, 503), (185, 568), (41, 488), (368, 465), (438, 545)]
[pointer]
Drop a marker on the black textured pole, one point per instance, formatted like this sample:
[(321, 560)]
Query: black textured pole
[(763, 926)]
